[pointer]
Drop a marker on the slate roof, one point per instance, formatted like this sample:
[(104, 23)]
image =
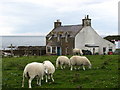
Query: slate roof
[(72, 30)]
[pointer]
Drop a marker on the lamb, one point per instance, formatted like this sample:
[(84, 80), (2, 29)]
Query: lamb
[(62, 60), (79, 61), (33, 70), (77, 51), (49, 70)]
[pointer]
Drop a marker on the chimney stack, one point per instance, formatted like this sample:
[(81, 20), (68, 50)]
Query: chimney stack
[(57, 24), (86, 21)]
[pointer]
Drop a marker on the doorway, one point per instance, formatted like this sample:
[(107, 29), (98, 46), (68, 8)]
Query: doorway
[(58, 51)]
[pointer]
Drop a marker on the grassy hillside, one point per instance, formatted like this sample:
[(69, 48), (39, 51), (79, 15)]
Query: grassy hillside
[(104, 73)]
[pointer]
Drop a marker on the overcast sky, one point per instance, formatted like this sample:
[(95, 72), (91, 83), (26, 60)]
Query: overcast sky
[(36, 17)]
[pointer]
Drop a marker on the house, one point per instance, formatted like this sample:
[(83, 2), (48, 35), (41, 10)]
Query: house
[(63, 39)]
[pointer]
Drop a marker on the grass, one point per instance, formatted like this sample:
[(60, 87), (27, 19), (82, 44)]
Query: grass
[(104, 73)]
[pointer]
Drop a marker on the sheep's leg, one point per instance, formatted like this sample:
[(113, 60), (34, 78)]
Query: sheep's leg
[(75, 67), (57, 66), (71, 68), (64, 66), (52, 77), (39, 82), (61, 66), (83, 67), (42, 78), (23, 81), (78, 67), (46, 78), (30, 80)]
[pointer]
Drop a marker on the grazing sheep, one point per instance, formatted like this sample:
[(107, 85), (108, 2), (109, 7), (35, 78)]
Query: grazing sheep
[(62, 60), (49, 70), (79, 61), (77, 51), (33, 70)]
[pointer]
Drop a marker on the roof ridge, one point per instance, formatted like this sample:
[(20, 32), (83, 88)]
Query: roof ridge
[(72, 25)]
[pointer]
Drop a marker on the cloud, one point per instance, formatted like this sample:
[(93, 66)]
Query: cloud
[(108, 32), (37, 16), (6, 31)]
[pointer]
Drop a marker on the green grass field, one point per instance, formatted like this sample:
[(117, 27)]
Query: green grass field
[(104, 73)]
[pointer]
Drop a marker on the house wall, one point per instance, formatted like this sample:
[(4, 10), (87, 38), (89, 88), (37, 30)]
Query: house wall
[(66, 47), (89, 36)]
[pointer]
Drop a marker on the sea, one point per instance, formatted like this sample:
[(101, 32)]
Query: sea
[(16, 41), (6, 41)]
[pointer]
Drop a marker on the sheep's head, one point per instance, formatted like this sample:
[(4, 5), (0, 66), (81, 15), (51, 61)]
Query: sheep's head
[(89, 66), (69, 63), (46, 71)]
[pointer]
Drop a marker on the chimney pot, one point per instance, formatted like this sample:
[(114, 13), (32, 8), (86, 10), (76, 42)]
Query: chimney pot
[(87, 16), (58, 20)]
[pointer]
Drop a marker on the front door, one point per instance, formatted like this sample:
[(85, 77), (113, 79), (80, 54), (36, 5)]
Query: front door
[(104, 50), (58, 51)]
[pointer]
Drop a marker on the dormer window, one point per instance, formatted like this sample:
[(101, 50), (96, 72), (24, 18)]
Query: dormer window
[(66, 36), (58, 37), (51, 37)]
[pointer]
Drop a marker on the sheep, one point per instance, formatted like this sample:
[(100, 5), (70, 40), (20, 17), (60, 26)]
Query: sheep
[(77, 51), (79, 61), (62, 60), (49, 70), (33, 70)]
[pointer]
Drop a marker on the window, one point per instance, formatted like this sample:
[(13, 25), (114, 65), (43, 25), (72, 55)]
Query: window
[(48, 49), (104, 49), (110, 49), (53, 49), (68, 35)]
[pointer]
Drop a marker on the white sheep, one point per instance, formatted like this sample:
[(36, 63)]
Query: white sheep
[(62, 60), (77, 51), (49, 70), (79, 61), (33, 70)]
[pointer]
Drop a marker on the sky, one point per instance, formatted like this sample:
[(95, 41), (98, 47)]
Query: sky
[(37, 17)]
